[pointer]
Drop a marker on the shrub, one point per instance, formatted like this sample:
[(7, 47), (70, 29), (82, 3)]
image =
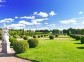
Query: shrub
[(82, 40), (20, 46), (34, 36), (15, 36), (25, 38), (32, 43), (39, 36), (12, 40), (51, 37), (73, 36), (0, 37), (56, 35), (21, 36), (77, 37)]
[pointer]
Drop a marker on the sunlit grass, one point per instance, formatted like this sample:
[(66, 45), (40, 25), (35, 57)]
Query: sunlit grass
[(57, 50)]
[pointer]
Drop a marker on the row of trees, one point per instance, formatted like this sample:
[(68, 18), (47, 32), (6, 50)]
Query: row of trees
[(38, 32)]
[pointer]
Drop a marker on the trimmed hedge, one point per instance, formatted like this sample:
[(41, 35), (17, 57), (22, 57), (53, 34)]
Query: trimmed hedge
[(82, 40), (0, 37), (77, 37), (25, 38), (12, 40), (39, 36), (34, 36), (42, 36), (32, 43), (51, 37), (56, 35), (15, 36), (21, 36), (20, 46)]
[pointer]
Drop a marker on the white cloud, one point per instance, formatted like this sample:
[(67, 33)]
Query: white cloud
[(71, 21), (42, 14), (46, 23), (28, 17), (35, 13), (82, 22), (6, 20), (16, 17), (39, 20), (35, 23), (80, 12), (52, 13), (25, 22), (16, 26)]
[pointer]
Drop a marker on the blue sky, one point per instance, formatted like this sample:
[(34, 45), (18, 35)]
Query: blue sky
[(42, 14)]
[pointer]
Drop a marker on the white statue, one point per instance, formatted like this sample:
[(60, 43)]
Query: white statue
[(5, 34), (5, 40)]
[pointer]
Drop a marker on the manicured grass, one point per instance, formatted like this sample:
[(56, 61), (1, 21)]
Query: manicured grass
[(57, 50)]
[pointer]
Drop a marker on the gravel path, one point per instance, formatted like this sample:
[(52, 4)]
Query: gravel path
[(10, 57)]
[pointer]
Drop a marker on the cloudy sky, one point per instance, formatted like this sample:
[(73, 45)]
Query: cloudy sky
[(42, 14)]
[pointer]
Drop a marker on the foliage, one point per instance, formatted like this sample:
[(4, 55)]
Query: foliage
[(51, 37), (39, 36), (12, 40), (32, 43), (55, 31), (77, 37), (21, 36), (20, 46), (82, 40), (34, 36), (0, 37), (56, 35), (25, 37), (15, 36)]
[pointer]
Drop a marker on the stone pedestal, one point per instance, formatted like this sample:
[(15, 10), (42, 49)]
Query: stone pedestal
[(6, 47)]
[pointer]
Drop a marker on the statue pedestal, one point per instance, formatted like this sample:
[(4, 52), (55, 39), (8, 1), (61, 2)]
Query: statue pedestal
[(6, 47)]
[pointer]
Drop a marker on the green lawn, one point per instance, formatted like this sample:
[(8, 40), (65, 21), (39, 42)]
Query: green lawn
[(57, 50)]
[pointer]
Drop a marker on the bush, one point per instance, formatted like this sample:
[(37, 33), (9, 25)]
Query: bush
[(56, 35), (15, 36), (20, 46), (82, 40), (39, 36), (73, 36), (0, 37), (25, 38), (32, 43), (51, 37), (77, 37), (34, 36), (12, 40), (21, 36)]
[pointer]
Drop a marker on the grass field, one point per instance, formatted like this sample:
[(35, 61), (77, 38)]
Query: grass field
[(57, 50)]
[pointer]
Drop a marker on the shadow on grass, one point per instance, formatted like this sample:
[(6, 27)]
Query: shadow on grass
[(74, 40), (34, 61), (27, 59), (80, 47), (77, 43)]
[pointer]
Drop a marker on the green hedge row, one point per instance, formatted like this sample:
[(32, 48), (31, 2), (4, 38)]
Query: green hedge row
[(78, 37)]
